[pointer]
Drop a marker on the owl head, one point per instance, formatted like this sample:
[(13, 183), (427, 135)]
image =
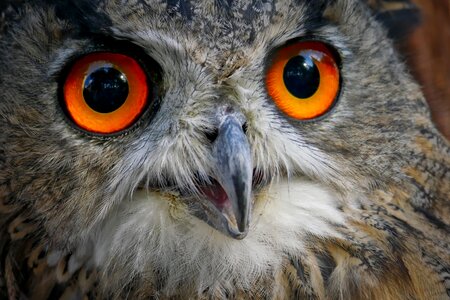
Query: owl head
[(171, 139)]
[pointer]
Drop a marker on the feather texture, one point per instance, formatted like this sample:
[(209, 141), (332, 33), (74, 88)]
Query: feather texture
[(354, 205)]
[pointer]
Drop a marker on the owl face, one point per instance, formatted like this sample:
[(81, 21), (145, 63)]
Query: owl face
[(161, 136)]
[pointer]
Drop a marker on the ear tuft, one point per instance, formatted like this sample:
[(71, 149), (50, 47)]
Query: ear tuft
[(400, 17)]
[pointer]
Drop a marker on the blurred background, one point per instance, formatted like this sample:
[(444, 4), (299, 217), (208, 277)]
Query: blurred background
[(427, 51)]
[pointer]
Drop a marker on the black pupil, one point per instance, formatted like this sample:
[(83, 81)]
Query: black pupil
[(301, 76), (105, 89)]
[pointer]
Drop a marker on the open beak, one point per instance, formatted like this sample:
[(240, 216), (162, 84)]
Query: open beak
[(234, 172), (231, 194)]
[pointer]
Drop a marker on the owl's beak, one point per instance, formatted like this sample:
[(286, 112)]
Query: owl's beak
[(234, 172)]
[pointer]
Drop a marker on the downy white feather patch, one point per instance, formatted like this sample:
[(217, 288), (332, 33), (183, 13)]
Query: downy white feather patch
[(153, 233)]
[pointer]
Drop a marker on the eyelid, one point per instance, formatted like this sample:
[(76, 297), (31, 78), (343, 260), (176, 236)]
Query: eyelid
[(339, 50)]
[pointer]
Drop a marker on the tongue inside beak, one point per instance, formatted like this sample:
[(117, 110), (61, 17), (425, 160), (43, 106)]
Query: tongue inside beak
[(237, 224), (216, 194)]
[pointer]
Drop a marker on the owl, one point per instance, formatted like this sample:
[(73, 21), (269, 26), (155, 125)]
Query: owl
[(161, 149)]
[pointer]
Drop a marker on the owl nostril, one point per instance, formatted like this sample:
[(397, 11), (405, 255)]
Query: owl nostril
[(212, 135), (244, 128)]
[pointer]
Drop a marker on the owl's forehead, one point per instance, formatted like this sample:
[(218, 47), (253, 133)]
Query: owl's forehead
[(220, 29), (224, 15), (210, 22)]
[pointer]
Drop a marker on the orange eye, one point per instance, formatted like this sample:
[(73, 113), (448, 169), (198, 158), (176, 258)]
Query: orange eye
[(303, 80), (105, 92)]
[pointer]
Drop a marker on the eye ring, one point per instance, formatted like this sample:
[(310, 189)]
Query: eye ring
[(106, 92), (303, 79)]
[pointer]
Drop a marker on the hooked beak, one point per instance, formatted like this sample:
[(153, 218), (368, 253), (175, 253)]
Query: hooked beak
[(234, 173), (229, 196)]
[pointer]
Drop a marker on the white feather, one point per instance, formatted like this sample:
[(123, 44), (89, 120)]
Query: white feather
[(151, 233)]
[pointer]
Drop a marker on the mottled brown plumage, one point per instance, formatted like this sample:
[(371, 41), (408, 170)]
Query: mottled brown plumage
[(354, 205)]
